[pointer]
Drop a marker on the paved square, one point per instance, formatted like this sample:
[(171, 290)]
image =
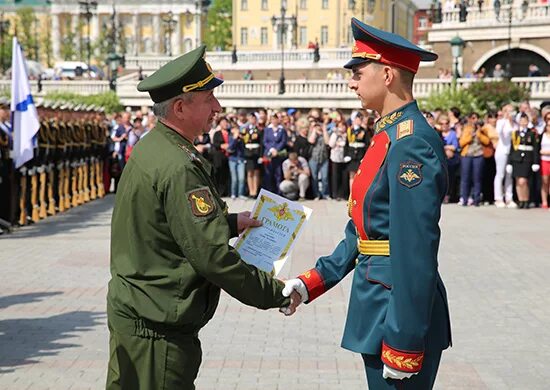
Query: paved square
[(496, 265)]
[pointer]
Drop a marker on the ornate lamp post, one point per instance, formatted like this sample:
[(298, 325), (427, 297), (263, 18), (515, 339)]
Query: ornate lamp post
[(87, 7), (170, 24), (510, 9), (279, 25), (457, 45), (4, 28)]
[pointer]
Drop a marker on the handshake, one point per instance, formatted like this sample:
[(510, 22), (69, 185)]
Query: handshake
[(297, 291)]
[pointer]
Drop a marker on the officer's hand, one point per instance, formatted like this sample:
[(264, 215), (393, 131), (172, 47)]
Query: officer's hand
[(509, 169), (392, 373), (535, 167), (295, 300), (244, 221), (298, 286)]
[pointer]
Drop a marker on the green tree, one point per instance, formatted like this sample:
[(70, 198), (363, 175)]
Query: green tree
[(452, 97), (5, 51), (493, 95), (46, 43), (26, 34), (68, 50), (219, 22)]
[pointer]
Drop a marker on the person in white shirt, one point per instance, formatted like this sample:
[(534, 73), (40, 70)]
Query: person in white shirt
[(504, 128)]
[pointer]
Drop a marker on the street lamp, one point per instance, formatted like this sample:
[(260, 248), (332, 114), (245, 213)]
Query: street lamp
[(87, 7), (457, 45), (279, 23), (170, 24), (4, 28), (113, 60), (498, 7), (36, 39)]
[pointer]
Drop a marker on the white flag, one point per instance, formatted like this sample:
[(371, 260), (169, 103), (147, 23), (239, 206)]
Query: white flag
[(24, 118)]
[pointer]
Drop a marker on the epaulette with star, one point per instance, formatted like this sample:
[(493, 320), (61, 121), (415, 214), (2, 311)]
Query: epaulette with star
[(405, 129)]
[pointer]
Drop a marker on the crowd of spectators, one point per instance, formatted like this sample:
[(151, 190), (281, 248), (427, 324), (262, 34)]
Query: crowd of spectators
[(315, 154)]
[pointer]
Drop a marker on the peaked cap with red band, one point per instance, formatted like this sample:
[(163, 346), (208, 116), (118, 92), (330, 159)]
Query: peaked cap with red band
[(372, 44)]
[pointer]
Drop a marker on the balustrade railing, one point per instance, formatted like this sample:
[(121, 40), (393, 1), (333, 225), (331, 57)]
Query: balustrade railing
[(296, 90), (536, 14)]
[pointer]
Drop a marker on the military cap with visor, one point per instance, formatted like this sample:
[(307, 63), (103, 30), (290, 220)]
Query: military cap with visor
[(187, 73), (374, 45)]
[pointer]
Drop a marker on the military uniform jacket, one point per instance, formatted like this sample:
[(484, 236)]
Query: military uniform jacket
[(169, 244), (398, 299), (524, 147)]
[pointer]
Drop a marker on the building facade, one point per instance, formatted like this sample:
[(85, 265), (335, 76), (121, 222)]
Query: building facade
[(148, 29), (258, 24), (514, 35)]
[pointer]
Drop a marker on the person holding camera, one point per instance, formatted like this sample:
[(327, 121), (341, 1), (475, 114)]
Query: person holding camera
[(472, 140), (318, 162), (296, 177), (237, 162)]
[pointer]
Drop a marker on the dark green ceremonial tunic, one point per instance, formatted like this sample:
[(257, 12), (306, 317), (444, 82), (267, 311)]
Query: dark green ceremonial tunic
[(169, 259)]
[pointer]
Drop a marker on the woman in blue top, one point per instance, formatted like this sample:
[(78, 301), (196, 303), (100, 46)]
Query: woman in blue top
[(237, 163), (450, 140)]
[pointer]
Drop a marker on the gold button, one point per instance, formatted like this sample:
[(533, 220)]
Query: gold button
[(359, 171), (354, 202), (357, 261)]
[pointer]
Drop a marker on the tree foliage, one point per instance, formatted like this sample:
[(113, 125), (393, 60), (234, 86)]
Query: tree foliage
[(452, 97), (493, 95), (26, 32), (218, 34), (481, 96)]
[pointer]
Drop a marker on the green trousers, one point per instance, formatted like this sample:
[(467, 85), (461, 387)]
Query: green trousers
[(153, 363)]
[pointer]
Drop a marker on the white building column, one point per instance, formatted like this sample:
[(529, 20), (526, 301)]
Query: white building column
[(176, 35), (94, 27), (198, 27), (56, 37), (157, 36), (137, 34)]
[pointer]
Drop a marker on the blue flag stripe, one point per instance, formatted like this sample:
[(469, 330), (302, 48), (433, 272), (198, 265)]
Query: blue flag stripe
[(24, 105)]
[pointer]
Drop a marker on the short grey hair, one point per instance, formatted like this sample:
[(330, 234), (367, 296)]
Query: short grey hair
[(160, 109)]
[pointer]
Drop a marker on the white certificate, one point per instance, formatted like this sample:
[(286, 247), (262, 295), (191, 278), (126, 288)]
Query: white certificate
[(267, 247)]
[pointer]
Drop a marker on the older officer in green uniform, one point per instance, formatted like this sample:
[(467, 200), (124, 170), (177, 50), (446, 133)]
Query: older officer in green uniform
[(398, 317), (169, 243)]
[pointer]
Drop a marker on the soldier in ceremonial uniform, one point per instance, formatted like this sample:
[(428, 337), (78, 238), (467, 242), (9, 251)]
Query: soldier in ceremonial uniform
[(523, 159), (169, 243), (398, 315), (6, 165)]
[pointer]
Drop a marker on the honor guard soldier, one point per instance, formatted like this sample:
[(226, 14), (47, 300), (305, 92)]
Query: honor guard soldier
[(6, 163), (169, 242), (523, 159), (42, 160), (398, 315)]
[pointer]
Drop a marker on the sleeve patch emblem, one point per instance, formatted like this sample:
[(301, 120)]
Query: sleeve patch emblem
[(410, 174), (405, 128), (201, 202)]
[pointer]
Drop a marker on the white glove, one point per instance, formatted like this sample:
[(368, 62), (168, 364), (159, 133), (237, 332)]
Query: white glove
[(298, 286), (535, 167), (392, 373), (347, 159), (509, 169)]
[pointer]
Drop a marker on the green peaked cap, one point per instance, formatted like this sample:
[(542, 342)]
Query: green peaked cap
[(187, 73)]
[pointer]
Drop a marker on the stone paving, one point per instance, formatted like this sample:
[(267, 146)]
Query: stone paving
[(496, 264)]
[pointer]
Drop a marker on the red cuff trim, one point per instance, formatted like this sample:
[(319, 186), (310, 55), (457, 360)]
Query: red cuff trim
[(402, 361), (314, 283)]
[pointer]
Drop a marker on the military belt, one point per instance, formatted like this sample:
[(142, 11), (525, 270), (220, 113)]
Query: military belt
[(144, 328), (373, 247), (526, 148), (357, 145)]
